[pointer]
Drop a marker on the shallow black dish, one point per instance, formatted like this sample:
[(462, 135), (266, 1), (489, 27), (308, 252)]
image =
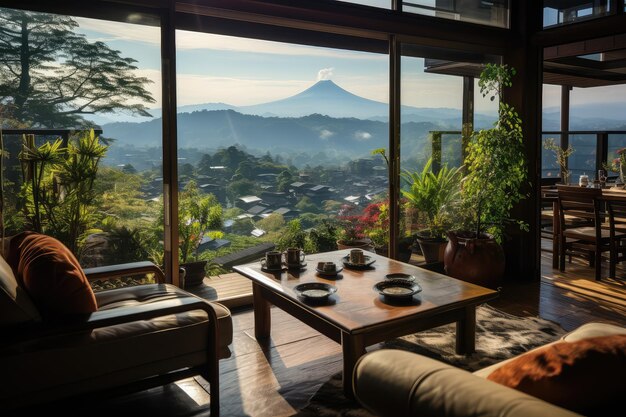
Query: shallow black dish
[(368, 262), (314, 291), (397, 288), (400, 275)]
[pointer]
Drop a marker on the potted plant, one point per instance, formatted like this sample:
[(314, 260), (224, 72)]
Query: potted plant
[(433, 196), (495, 173), (351, 232), (375, 223), (199, 215), (618, 165)]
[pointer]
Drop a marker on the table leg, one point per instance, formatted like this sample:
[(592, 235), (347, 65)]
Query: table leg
[(262, 316), (466, 331), (353, 348)]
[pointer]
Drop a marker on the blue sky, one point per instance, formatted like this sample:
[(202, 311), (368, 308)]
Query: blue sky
[(239, 71)]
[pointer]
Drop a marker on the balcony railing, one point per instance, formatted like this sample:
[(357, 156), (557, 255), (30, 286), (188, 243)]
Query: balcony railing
[(593, 150)]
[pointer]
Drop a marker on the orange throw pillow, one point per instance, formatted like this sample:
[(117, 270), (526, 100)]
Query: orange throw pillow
[(51, 275), (586, 376)]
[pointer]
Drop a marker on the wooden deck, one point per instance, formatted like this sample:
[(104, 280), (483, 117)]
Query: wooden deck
[(232, 290)]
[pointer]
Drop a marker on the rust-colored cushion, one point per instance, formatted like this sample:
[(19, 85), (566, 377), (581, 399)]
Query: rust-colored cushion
[(51, 275), (586, 376)]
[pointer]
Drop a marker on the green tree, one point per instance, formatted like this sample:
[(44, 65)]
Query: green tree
[(271, 223), (129, 169), (293, 236), (283, 180), (239, 188), (120, 197), (305, 205), (51, 76)]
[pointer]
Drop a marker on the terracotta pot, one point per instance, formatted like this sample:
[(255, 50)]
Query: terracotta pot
[(479, 261), (365, 244), (433, 248), (194, 272)]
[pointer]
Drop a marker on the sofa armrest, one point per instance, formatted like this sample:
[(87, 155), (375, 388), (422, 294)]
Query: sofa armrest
[(111, 317), (120, 270), (397, 383)]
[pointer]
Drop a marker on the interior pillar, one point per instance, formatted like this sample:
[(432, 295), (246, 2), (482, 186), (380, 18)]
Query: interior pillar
[(522, 249)]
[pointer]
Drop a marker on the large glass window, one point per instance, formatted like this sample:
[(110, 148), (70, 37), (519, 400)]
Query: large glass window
[(278, 139), (79, 103), (430, 133), (493, 13)]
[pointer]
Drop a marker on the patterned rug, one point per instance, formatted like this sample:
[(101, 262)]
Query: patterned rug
[(498, 336)]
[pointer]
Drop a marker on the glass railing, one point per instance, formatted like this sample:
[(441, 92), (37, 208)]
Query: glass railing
[(486, 12), (592, 151), (564, 12)]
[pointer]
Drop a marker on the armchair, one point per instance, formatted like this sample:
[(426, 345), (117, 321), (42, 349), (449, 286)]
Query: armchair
[(139, 337)]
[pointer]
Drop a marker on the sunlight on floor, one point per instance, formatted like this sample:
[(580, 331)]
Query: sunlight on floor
[(194, 390)]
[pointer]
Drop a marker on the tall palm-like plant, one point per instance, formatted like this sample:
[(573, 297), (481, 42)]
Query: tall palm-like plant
[(57, 190), (433, 195)]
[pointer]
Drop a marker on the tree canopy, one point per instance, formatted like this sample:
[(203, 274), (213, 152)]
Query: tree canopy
[(52, 77)]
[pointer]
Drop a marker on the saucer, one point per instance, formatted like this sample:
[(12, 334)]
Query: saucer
[(337, 270), (277, 269), (368, 261), (295, 266)]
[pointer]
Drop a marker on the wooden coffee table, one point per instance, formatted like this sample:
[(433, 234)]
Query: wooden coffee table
[(357, 316)]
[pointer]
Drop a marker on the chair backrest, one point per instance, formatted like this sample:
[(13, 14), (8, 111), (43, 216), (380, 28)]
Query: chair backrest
[(579, 202), (616, 208)]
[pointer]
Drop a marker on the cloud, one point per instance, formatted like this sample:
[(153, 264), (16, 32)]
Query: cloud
[(362, 136), (326, 134), (325, 74)]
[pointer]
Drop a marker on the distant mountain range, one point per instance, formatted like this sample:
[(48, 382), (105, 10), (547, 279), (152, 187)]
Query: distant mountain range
[(324, 97), (312, 134), (341, 123)]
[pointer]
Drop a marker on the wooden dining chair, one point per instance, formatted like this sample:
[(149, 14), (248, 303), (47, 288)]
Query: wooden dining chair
[(616, 209), (587, 240)]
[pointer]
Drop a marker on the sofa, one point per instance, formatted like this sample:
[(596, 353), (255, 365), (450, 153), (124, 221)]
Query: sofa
[(61, 340), (582, 373)]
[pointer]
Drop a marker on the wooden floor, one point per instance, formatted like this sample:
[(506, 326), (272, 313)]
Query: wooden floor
[(277, 379)]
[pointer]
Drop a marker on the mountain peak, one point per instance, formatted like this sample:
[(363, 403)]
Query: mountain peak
[(325, 88)]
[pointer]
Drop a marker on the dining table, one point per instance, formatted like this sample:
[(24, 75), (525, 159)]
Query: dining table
[(550, 195)]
